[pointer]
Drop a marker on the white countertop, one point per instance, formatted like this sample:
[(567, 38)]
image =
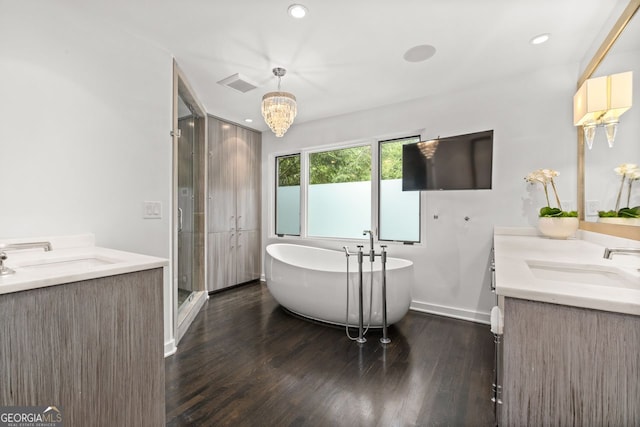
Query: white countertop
[(516, 252), (73, 259)]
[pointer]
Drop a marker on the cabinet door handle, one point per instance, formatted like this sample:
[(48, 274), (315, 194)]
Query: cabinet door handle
[(179, 220)]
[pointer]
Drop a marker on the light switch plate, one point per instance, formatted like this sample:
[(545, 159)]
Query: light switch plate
[(152, 210), (593, 206)]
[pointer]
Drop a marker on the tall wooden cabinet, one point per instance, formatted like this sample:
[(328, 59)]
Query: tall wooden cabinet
[(233, 205)]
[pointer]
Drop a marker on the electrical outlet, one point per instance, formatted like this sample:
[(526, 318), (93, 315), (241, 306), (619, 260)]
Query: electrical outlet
[(152, 210), (593, 206)]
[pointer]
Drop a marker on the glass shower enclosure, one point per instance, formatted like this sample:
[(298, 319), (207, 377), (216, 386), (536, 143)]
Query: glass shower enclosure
[(189, 158)]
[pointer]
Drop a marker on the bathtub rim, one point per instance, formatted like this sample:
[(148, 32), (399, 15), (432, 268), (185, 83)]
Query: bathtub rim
[(405, 263)]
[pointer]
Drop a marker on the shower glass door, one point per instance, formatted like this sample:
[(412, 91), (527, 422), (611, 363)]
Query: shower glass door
[(186, 202)]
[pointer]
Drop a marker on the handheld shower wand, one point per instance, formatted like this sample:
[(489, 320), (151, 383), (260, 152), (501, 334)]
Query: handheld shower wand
[(371, 252)]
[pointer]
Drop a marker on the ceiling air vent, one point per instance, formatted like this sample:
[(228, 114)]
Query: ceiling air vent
[(238, 82)]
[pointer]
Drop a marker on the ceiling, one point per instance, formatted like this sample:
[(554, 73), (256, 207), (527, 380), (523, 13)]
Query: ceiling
[(347, 55)]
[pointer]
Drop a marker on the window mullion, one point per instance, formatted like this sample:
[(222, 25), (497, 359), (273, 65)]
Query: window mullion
[(375, 186), (304, 191)]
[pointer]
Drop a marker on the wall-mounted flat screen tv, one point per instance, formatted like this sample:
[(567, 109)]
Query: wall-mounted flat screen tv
[(462, 162)]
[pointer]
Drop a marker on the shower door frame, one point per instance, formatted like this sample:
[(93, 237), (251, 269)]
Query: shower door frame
[(181, 321)]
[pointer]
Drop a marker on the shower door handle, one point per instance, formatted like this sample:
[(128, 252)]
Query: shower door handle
[(179, 220)]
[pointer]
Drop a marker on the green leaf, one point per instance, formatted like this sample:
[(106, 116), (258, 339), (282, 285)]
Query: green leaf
[(629, 212), (289, 170), (607, 214), (343, 165), (549, 211)]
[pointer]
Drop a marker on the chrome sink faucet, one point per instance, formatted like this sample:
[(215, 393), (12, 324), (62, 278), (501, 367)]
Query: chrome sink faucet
[(27, 245), (609, 252), (4, 270)]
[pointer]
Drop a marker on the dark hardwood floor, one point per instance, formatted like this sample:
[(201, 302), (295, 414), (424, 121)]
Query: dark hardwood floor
[(247, 362)]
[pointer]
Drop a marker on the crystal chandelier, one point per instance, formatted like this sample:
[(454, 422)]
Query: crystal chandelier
[(279, 108)]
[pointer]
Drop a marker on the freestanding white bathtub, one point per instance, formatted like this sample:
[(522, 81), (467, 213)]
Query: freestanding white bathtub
[(312, 282)]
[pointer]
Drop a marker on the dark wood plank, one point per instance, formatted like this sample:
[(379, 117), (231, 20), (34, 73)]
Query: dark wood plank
[(247, 362)]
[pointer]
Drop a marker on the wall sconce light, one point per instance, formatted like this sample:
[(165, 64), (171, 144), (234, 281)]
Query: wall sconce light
[(600, 102)]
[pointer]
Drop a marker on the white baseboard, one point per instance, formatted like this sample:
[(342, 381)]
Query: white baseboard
[(455, 312), (189, 313), (170, 348)]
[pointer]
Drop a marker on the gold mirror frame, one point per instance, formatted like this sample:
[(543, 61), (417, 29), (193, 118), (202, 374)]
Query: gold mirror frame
[(626, 231)]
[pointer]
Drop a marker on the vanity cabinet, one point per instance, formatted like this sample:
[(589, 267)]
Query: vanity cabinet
[(233, 205), (569, 366), (92, 348)]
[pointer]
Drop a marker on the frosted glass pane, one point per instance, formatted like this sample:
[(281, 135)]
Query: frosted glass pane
[(288, 210), (399, 212), (339, 210)]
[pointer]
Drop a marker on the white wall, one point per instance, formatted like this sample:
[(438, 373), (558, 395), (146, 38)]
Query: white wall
[(532, 119), (85, 115)]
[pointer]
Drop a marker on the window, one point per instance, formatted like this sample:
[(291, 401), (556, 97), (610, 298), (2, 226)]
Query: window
[(339, 193), (288, 195), (335, 197), (398, 211)]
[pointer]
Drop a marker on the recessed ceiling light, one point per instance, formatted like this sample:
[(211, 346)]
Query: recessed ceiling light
[(297, 11), (540, 38), (248, 120), (419, 53)]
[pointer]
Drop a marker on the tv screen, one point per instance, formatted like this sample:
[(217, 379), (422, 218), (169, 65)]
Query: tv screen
[(462, 162)]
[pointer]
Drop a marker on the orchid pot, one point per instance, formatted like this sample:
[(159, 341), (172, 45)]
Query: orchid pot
[(553, 222), (558, 227)]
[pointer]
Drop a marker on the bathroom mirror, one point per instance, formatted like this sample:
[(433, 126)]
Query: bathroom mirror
[(598, 183)]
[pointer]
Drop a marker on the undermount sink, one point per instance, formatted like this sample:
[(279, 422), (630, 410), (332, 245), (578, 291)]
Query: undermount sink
[(586, 274), (57, 265)]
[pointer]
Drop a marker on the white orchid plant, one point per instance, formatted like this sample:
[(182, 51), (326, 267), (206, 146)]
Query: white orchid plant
[(630, 173), (545, 177)]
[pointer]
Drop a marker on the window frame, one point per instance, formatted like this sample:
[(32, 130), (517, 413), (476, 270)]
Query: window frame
[(275, 194), (378, 198), (307, 178), (304, 153)]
